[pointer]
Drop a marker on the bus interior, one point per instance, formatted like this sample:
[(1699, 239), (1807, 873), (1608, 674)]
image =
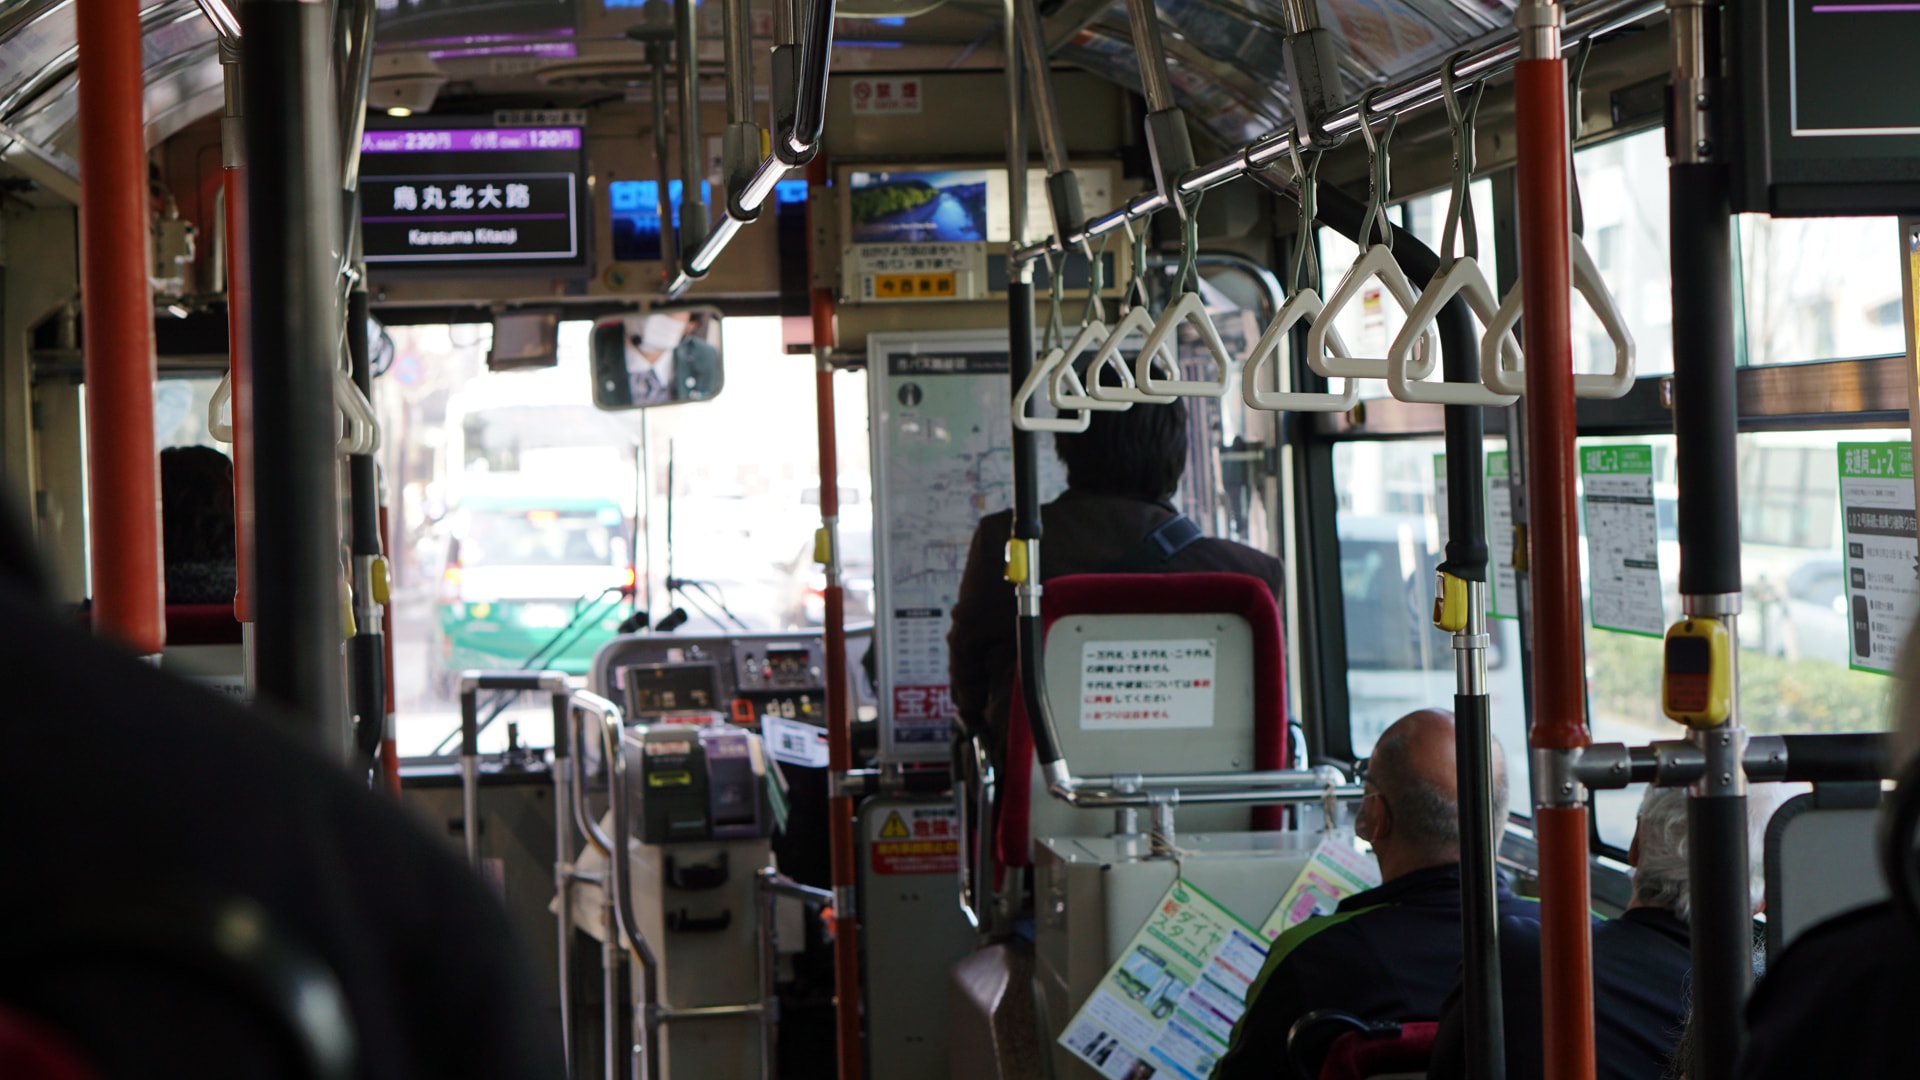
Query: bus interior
[(604, 399)]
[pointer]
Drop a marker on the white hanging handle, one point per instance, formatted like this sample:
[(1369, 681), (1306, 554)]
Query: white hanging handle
[(1064, 389), (1374, 262), (1303, 304), (219, 412), (1464, 278), (1505, 371), (363, 428), (1042, 368), (1188, 308), (1135, 321)]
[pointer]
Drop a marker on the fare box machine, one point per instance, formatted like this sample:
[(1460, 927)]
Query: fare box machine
[(700, 816)]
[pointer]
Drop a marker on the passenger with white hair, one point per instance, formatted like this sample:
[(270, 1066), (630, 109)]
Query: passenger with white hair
[(1840, 999), (1641, 960)]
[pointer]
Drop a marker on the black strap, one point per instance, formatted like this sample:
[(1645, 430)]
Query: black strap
[(1173, 536)]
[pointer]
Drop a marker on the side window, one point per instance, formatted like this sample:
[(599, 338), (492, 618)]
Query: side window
[(1796, 675), (1391, 527)]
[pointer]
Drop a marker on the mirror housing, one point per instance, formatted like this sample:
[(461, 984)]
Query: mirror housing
[(662, 357), (524, 340)]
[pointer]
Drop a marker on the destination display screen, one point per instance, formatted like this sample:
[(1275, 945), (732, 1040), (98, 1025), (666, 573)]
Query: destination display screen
[(1852, 65), (472, 198)]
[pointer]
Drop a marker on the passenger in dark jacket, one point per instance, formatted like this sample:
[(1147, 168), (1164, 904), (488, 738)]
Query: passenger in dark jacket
[(1841, 1000), (1641, 962), (1391, 953), (143, 802), (1121, 476)]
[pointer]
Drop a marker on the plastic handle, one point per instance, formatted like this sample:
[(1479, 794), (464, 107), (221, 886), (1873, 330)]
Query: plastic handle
[(221, 429), (1189, 308), (363, 429), (1505, 371), (1465, 279), (1375, 262), (1135, 321), (1302, 305), (1064, 388), (1034, 380)]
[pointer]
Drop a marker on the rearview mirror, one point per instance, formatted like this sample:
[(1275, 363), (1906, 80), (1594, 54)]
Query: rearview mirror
[(660, 358)]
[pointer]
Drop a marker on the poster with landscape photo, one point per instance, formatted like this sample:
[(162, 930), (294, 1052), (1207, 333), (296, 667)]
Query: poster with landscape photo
[(919, 207)]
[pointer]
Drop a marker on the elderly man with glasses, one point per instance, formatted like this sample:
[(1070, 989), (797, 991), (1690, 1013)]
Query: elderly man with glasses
[(1391, 953)]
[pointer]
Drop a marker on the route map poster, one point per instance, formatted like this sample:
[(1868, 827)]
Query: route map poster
[(1877, 515), (1167, 1006), (943, 459), (1623, 540)]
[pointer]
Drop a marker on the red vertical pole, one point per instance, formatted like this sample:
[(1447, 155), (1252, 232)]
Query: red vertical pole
[(117, 308), (846, 928), (1559, 673), (240, 378)]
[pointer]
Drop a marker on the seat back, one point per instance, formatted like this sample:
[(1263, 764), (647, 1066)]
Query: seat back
[(1150, 673), (1386, 1052), (1822, 859)]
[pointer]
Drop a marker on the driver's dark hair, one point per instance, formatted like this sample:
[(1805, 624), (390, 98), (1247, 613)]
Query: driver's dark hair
[(1139, 453)]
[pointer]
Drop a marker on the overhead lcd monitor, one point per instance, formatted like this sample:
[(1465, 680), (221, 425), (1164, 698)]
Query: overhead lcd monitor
[(1831, 109), (465, 199)]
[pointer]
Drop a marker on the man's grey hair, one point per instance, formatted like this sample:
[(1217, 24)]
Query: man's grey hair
[(1428, 816), (1660, 879)]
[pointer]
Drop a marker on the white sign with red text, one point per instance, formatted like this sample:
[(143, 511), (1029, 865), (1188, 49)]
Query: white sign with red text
[(1141, 685), (894, 95)]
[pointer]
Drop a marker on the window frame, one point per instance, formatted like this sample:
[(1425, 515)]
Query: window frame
[(1859, 393)]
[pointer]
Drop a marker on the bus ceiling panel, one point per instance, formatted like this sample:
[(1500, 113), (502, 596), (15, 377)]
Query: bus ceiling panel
[(1826, 394), (39, 90), (1230, 50), (1230, 103)]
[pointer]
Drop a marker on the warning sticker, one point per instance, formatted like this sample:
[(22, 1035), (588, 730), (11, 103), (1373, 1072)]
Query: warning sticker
[(889, 95), (915, 840)]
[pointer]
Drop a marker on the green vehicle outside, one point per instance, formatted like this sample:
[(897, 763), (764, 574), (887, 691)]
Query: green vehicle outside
[(529, 576)]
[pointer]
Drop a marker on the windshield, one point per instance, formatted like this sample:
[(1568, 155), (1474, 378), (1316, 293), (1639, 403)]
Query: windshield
[(539, 538), (521, 438)]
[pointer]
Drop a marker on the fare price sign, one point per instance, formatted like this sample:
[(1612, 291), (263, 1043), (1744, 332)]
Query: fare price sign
[(465, 196)]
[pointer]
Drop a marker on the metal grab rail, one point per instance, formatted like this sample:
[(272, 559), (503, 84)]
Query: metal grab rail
[(1496, 57), (796, 146), (618, 891)]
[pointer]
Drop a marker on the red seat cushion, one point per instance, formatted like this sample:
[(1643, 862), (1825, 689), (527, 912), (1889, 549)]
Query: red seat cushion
[(1358, 1055), (193, 624), (202, 624), (1153, 594)]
